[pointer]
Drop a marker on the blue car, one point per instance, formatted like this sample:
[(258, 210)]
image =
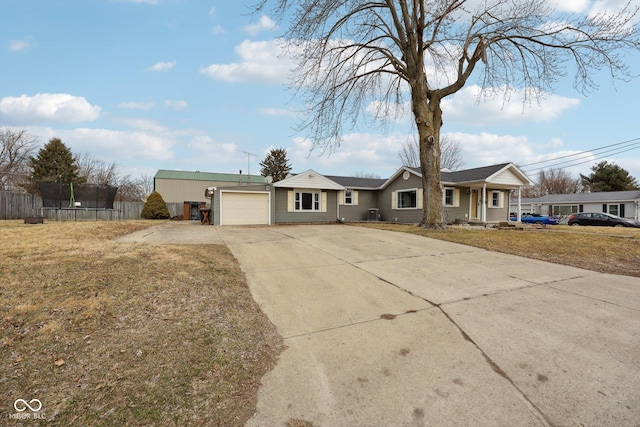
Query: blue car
[(536, 219)]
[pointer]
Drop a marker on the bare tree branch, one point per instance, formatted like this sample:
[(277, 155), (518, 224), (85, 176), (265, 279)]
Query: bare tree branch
[(16, 146)]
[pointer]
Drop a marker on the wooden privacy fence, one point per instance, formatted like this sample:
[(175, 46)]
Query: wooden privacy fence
[(21, 205)]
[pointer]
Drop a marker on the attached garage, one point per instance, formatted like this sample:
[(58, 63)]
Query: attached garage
[(245, 207)]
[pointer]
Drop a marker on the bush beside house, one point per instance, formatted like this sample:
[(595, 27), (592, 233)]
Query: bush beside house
[(155, 207)]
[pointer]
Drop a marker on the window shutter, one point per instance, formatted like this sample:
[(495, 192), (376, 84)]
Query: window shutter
[(393, 200), (502, 199), (341, 199), (621, 210), (456, 197), (419, 203), (290, 201), (604, 207), (355, 197), (323, 202)]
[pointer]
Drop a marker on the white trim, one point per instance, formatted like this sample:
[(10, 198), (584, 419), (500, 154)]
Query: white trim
[(309, 179), (406, 190)]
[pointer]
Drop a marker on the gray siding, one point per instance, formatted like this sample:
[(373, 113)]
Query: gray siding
[(460, 212), (399, 215), (366, 199), (283, 216)]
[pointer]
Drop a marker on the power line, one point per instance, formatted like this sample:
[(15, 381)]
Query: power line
[(621, 147), (634, 141)]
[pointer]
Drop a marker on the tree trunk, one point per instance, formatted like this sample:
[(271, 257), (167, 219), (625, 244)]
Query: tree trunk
[(428, 117)]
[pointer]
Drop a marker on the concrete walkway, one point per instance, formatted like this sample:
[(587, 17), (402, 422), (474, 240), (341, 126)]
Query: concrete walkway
[(390, 329)]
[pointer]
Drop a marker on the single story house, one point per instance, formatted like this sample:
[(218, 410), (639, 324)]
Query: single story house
[(473, 195), (621, 203)]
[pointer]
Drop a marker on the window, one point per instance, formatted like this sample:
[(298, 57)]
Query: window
[(496, 199), (307, 201), (348, 197), (449, 196), (559, 210), (407, 199), (616, 209)]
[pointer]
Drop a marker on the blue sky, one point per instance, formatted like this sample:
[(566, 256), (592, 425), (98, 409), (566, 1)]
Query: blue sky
[(195, 85)]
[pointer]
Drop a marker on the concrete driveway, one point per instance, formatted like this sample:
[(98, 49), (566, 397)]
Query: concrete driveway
[(390, 329)]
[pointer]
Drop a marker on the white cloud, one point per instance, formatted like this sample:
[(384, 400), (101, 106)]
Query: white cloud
[(218, 29), (151, 2), (468, 106), (145, 125), (264, 24), (279, 112), (373, 153), (212, 11), (55, 107), (137, 105), (162, 66), (610, 6), (261, 62), (175, 104), (112, 145), (19, 45), (573, 6)]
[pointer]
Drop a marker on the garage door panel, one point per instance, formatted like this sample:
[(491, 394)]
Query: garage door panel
[(245, 208)]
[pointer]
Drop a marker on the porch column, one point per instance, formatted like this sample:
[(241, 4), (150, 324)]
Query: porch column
[(484, 203), (518, 219)]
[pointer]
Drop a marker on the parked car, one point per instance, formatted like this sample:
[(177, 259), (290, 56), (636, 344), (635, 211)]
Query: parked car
[(601, 219), (535, 219)]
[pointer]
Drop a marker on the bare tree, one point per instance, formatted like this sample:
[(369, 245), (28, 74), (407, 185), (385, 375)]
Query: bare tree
[(16, 146), (450, 154), (146, 185), (353, 54), (97, 171), (361, 174), (553, 181)]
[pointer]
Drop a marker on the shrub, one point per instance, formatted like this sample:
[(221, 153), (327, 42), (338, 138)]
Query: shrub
[(155, 207)]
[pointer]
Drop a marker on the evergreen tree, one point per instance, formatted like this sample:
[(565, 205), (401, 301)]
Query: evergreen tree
[(607, 176), (155, 207), (276, 164), (54, 163)]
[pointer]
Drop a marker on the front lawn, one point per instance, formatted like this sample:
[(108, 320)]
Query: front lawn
[(603, 249), (110, 333)]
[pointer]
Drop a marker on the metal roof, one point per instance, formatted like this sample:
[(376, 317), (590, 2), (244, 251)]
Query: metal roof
[(208, 176)]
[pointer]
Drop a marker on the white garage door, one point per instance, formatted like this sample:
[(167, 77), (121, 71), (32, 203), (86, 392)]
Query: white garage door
[(244, 208)]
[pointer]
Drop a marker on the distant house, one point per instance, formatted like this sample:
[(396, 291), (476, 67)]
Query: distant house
[(621, 203)]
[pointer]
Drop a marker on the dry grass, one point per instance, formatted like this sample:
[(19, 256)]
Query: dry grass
[(603, 249), (110, 333)]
